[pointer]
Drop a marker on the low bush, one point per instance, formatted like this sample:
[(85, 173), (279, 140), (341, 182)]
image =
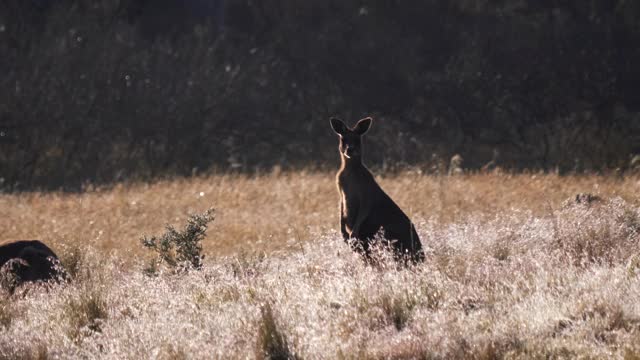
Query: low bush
[(180, 249)]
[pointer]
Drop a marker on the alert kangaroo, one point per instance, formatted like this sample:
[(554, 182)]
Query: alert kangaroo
[(365, 208)]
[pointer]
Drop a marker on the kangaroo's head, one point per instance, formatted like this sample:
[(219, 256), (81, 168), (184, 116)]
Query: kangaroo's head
[(351, 138)]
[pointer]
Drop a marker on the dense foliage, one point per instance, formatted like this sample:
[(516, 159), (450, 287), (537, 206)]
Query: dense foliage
[(113, 89)]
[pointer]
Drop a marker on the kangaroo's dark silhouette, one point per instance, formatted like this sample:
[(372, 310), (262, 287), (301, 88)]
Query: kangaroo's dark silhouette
[(365, 208), (30, 260)]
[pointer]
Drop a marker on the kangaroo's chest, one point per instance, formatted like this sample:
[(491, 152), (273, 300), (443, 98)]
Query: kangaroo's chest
[(350, 202), (352, 195)]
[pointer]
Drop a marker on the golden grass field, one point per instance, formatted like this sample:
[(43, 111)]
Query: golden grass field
[(513, 270), (276, 211)]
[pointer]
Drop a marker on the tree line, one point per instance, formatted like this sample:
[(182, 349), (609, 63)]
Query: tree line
[(119, 89)]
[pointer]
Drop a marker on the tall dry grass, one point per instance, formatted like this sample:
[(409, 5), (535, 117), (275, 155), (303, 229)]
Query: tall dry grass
[(512, 271)]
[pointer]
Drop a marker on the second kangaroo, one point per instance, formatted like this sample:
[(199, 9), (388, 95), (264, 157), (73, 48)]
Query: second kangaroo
[(365, 208)]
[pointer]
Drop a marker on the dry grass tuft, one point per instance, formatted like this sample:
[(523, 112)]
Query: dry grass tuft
[(171, 352), (86, 313), (6, 312), (397, 309), (35, 352), (272, 343), (71, 260)]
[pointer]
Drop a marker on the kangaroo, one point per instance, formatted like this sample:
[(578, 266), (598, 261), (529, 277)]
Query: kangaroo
[(364, 207), (30, 260)]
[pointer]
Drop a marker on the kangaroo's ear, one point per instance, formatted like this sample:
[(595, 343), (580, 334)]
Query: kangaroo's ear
[(338, 126), (362, 126)]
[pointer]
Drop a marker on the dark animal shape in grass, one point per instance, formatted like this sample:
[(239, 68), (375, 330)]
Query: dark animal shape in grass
[(29, 261), (365, 209), (584, 200)]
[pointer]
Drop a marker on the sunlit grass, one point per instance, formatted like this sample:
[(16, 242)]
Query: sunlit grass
[(276, 211), (511, 271)]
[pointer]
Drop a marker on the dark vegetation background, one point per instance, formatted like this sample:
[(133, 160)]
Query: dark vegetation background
[(108, 90)]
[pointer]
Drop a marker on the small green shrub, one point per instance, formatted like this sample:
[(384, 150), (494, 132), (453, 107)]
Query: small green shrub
[(180, 249)]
